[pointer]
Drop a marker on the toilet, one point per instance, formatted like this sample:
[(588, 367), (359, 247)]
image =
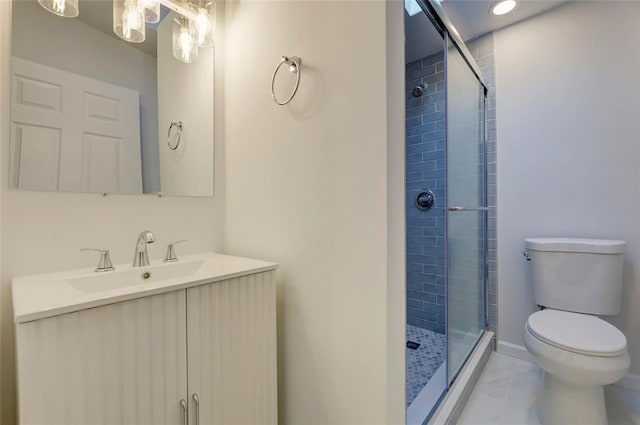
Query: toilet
[(575, 281)]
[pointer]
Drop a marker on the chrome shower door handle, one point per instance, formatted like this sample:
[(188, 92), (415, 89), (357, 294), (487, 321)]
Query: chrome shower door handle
[(183, 406), (460, 209)]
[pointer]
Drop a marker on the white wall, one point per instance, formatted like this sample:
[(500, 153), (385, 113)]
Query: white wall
[(396, 219), (568, 123), (44, 231), (184, 94), (74, 46), (307, 188)]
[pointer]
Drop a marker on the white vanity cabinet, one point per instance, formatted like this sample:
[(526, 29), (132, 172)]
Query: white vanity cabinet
[(211, 345)]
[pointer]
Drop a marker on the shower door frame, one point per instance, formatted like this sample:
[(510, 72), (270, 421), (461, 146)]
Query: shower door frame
[(446, 35), (445, 27)]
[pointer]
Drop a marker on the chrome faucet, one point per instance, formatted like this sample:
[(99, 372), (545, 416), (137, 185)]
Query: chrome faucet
[(140, 257)]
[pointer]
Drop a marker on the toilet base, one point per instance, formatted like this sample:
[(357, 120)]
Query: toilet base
[(564, 403)]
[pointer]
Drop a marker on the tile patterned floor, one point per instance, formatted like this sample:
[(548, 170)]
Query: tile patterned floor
[(509, 388), (423, 362)]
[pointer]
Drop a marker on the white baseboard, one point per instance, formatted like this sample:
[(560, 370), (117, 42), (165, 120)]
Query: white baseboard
[(514, 350), (630, 381)]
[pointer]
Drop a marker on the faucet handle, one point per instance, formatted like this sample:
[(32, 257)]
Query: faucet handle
[(171, 253), (104, 265)]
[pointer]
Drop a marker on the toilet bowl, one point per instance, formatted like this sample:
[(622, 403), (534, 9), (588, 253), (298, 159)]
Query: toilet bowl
[(575, 280), (579, 353)]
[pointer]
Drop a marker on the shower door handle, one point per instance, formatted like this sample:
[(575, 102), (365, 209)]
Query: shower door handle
[(460, 209)]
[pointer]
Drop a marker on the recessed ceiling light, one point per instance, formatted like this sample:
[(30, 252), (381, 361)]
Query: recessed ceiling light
[(503, 7)]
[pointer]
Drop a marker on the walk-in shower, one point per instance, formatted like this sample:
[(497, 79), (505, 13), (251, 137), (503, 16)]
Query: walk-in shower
[(446, 211)]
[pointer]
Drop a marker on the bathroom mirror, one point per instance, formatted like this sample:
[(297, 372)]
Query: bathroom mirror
[(91, 112)]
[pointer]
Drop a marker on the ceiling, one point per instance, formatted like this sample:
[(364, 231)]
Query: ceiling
[(471, 18)]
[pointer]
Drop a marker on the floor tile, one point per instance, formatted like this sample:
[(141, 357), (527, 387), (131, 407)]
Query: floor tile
[(508, 391)]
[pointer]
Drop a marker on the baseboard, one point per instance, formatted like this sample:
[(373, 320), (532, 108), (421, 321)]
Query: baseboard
[(514, 350), (630, 381)]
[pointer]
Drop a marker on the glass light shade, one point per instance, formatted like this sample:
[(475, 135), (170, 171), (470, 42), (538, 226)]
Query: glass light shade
[(206, 25), (64, 8), (151, 11), (128, 20), (185, 44)]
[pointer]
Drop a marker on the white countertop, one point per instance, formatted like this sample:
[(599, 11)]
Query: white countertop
[(51, 294)]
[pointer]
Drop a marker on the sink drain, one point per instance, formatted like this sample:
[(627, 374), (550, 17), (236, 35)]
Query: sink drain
[(145, 275)]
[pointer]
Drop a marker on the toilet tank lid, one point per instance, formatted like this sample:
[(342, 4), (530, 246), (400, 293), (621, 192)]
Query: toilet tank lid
[(598, 246)]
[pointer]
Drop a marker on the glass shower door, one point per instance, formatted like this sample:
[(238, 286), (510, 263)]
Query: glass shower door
[(466, 209)]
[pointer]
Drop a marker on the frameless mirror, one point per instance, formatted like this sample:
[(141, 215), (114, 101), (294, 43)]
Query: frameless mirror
[(91, 112)]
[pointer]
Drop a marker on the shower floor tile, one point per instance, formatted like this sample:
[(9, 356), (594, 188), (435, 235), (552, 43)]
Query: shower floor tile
[(423, 362)]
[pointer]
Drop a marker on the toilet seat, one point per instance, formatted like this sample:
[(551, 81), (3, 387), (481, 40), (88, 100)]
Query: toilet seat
[(578, 333)]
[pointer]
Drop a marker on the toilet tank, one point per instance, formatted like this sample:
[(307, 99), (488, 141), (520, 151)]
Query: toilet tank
[(580, 275)]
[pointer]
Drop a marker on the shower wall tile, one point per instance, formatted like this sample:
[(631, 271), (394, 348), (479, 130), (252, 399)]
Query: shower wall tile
[(425, 128), (426, 170), (482, 50)]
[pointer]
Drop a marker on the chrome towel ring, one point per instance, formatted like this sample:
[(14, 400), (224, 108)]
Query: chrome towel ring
[(178, 125), (294, 63)]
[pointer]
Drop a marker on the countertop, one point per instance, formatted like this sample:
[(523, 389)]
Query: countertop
[(51, 294)]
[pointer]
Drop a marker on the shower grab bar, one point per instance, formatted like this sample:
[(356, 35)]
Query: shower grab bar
[(458, 209)]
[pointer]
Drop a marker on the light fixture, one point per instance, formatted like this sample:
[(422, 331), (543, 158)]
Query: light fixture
[(128, 20), (185, 45), (151, 11), (503, 7), (205, 23), (64, 8), (195, 26)]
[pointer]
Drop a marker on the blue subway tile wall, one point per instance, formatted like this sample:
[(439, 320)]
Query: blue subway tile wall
[(425, 156)]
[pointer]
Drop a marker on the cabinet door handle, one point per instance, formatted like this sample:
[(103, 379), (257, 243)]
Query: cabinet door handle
[(196, 402), (183, 405)]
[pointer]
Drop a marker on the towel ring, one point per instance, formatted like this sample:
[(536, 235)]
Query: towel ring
[(294, 63), (178, 125)]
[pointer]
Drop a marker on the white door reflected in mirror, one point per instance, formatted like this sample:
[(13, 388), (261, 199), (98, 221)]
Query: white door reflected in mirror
[(90, 112)]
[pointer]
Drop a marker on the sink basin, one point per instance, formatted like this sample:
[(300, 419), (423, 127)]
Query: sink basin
[(51, 294), (134, 277)]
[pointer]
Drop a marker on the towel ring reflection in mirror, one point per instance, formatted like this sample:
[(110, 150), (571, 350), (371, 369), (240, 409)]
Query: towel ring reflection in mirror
[(294, 64), (178, 125)]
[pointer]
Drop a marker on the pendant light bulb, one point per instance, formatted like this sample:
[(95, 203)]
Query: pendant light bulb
[(202, 23), (185, 44), (128, 20), (131, 20), (205, 24), (64, 8)]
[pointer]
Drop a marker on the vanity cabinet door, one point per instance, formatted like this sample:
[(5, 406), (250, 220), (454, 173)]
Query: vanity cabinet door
[(231, 328), (122, 363)]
